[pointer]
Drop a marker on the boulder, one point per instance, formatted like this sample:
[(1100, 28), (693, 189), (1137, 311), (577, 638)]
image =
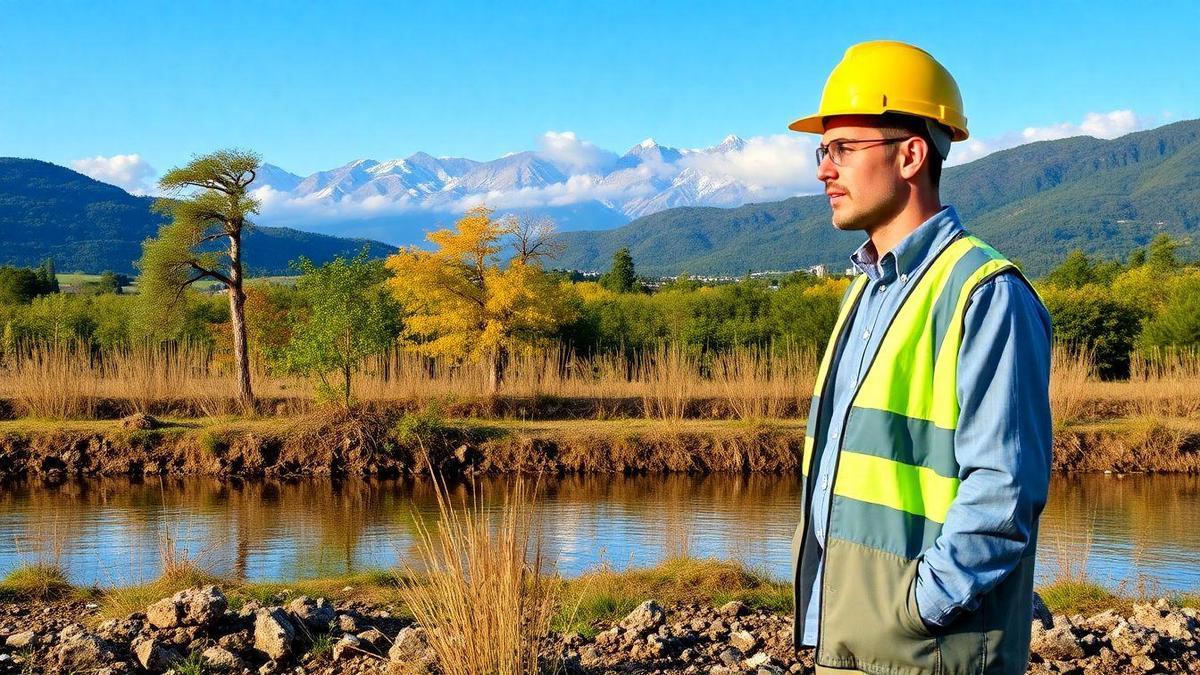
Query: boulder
[(744, 641), (273, 633), (347, 648), (645, 618), (21, 640), (220, 658), (79, 651), (411, 648), (734, 609), (153, 654), (374, 640), (139, 422), (190, 607), (1057, 644), (315, 614)]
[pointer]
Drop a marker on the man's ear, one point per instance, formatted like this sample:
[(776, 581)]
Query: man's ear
[(912, 155)]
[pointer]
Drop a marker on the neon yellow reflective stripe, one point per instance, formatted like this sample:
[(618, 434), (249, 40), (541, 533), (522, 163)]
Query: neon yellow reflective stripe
[(944, 412), (806, 461), (901, 379), (856, 288), (904, 487)]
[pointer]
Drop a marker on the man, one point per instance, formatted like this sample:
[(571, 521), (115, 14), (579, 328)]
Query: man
[(927, 458)]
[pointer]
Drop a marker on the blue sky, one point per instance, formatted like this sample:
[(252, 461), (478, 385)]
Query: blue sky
[(312, 86)]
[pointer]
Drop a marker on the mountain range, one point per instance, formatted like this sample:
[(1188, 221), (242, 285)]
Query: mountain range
[(399, 199), (1035, 202), (49, 211)]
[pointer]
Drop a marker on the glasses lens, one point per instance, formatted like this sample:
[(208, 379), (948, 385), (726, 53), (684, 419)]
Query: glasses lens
[(821, 152)]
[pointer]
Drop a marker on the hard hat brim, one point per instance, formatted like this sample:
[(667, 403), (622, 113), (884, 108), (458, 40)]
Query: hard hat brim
[(815, 124)]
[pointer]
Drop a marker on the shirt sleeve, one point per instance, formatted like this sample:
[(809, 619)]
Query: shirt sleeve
[(1002, 445)]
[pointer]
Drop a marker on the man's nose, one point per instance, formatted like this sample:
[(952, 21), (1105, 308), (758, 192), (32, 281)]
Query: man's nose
[(826, 170)]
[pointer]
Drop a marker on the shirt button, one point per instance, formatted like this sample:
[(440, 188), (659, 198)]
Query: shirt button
[(882, 287), (825, 483), (833, 434), (903, 278), (867, 334)]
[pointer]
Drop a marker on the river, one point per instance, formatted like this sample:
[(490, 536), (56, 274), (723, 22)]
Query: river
[(1128, 531)]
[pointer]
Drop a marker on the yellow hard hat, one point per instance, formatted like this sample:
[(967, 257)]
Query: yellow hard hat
[(888, 76)]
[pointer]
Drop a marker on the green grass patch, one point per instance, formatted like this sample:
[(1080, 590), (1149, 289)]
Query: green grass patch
[(1080, 597), (36, 581), (608, 595)]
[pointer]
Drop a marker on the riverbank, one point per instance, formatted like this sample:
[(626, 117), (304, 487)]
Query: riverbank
[(378, 443), (683, 616)]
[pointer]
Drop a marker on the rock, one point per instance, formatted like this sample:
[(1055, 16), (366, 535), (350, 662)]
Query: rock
[(21, 640), (347, 648), (645, 618), (163, 614), (411, 650), (153, 654), (610, 636), (119, 630), (1042, 613), (80, 651), (1132, 640), (1057, 644), (1163, 620), (590, 656), (1143, 663), (731, 657), (734, 609), (743, 641), (374, 640), (223, 659), (410, 644), (273, 633), (139, 421), (757, 660), (1104, 621), (656, 645), (236, 642), (347, 623), (189, 607), (769, 669), (316, 614)]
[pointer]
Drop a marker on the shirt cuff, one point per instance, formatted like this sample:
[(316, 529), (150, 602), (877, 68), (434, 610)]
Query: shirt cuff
[(937, 609)]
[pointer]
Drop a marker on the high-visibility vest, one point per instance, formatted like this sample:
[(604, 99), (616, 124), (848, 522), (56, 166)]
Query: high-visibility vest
[(895, 478)]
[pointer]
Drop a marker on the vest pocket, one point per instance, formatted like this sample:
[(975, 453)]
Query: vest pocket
[(869, 618)]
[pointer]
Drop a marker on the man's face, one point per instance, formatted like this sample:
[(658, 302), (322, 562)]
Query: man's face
[(865, 190)]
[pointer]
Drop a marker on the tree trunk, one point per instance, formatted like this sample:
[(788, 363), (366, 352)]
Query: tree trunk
[(237, 321), (495, 373)]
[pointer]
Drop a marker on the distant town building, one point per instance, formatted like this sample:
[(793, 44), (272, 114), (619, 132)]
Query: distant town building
[(819, 270)]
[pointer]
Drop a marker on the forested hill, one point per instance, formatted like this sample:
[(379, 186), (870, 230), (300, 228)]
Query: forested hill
[(1035, 203), (49, 211)]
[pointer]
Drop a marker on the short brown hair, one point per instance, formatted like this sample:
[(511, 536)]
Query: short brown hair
[(899, 125)]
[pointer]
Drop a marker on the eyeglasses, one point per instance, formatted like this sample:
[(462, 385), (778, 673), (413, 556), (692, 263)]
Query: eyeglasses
[(837, 149)]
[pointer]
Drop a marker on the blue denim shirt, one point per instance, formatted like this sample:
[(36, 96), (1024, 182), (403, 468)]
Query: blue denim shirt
[(1003, 439)]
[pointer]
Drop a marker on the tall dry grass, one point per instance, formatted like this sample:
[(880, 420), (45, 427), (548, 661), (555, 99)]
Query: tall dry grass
[(73, 380), (670, 382), (482, 596)]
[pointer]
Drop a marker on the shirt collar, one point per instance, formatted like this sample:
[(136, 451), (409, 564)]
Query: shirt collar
[(914, 249)]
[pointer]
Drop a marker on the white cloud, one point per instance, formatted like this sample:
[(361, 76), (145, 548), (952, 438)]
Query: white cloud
[(770, 166), (129, 172), (1096, 124), (572, 155)]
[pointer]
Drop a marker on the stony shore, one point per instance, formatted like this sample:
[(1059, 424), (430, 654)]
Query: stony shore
[(197, 630)]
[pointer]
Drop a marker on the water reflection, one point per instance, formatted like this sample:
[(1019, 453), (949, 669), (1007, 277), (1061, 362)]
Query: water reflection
[(109, 531)]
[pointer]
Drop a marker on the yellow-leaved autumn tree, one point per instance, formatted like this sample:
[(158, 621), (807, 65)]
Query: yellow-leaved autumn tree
[(464, 301)]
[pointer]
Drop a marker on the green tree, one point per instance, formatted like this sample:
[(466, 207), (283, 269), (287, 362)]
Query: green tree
[(1177, 324), (1090, 317), (19, 285), (203, 240), (350, 317), (47, 276), (621, 277), (1077, 271), (1160, 254)]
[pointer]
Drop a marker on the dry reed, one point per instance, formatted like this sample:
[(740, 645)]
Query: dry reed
[(670, 382), (482, 596)]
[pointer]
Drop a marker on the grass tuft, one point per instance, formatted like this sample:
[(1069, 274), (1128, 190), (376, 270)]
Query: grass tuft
[(36, 581)]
